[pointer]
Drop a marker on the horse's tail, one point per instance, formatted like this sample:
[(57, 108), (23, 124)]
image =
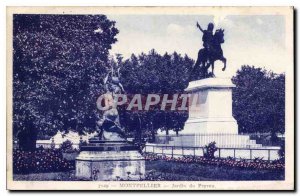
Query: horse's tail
[(198, 66), (199, 59)]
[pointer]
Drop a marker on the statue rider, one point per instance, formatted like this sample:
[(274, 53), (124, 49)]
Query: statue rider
[(207, 37), (211, 52)]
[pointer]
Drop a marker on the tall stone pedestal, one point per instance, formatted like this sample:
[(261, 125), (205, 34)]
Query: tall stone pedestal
[(115, 160), (210, 116), (210, 107)]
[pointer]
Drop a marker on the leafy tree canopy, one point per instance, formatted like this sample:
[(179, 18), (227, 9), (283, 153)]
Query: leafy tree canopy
[(58, 65), (159, 74), (259, 100)]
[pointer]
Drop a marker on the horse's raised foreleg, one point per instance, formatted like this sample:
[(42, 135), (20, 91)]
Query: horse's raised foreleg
[(224, 61)]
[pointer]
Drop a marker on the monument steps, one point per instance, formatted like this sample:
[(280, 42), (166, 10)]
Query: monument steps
[(201, 140)]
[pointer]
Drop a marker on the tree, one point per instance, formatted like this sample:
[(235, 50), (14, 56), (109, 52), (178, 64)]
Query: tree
[(154, 74), (259, 100), (58, 65)]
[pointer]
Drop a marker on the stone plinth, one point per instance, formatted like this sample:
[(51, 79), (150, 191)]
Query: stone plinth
[(210, 107), (110, 161)]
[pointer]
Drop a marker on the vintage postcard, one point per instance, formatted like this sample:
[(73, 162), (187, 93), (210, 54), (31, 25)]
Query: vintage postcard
[(150, 98)]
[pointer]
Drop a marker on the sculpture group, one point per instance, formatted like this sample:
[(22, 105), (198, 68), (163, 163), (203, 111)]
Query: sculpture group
[(109, 156), (109, 126), (110, 150)]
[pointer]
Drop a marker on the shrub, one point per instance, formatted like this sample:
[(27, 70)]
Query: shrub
[(52, 146), (41, 160), (67, 147), (40, 148), (281, 153), (211, 148)]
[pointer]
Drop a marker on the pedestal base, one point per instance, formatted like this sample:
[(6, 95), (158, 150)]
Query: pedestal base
[(210, 107), (210, 117), (113, 161), (211, 126)]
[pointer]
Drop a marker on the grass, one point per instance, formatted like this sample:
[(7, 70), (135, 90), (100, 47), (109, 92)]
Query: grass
[(192, 171), (170, 171)]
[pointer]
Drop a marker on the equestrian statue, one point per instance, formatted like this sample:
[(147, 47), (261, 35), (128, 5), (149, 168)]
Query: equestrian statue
[(210, 52)]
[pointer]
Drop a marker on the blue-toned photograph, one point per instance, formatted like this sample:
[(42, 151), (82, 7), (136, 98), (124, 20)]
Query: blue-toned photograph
[(150, 97)]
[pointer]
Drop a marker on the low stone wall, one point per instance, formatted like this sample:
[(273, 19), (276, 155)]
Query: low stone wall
[(200, 140), (47, 144)]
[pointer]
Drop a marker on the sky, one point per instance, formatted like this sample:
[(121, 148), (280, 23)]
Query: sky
[(258, 40)]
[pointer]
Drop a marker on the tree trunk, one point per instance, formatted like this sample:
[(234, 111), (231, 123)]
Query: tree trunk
[(152, 136), (27, 138)]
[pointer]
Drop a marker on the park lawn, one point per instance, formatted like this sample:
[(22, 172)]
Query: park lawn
[(194, 171), (173, 171)]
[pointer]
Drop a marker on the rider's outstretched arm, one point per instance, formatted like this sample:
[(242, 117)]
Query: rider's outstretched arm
[(199, 27)]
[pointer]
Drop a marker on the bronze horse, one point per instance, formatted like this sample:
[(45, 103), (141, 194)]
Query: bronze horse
[(208, 56)]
